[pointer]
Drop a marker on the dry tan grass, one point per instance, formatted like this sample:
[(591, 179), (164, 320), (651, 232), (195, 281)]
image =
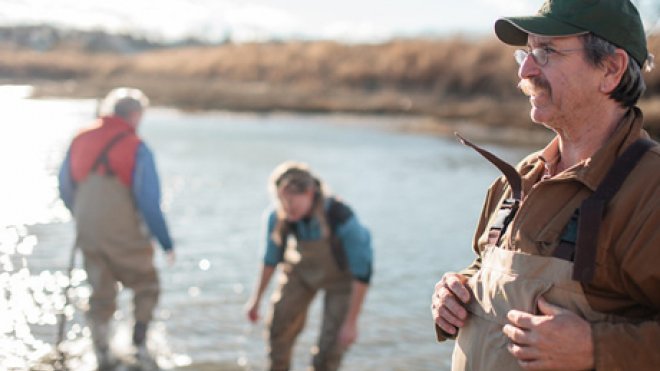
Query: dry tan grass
[(452, 79)]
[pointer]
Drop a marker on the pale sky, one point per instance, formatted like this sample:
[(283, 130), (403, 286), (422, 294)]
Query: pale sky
[(348, 20), (358, 20)]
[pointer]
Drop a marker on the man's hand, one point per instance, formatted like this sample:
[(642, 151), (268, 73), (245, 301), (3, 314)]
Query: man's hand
[(557, 339), (348, 334), (252, 310), (447, 302), (171, 257)]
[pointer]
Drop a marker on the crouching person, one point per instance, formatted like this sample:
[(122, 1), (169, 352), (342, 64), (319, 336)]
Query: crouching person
[(319, 245)]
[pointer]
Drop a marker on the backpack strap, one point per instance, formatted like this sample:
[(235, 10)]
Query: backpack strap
[(337, 214), (503, 218), (102, 158), (593, 209)]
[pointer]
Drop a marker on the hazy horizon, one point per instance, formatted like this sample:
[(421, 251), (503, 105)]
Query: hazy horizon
[(213, 20), (260, 20)]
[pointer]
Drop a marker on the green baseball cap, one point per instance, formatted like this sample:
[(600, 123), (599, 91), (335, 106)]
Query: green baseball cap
[(616, 21)]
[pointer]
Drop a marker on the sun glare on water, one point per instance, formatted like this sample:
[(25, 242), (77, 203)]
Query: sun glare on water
[(34, 137), (32, 144)]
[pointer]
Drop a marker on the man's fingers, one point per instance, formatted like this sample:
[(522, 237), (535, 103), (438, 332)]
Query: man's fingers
[(447, 307), (520, 319), (448, 312), (457, 287), (517, 335), (454, 307), (445, 326), (523, 353), (443, 297), (549, 309), (451, 318), (532, 365)]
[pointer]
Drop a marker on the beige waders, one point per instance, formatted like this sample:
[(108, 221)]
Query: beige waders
[(115, 249), (308, 266), (511, 280)]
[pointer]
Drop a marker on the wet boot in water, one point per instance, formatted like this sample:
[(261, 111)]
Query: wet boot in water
[(105, 359), (144, 360)]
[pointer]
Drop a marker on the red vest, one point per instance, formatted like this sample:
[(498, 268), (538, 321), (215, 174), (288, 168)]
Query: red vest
[(88, 145)]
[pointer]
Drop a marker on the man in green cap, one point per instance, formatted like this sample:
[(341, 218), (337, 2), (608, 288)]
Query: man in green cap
[(567, 245)]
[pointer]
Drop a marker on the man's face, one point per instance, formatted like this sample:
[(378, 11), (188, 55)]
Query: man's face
[(565, 88), (296, 205)]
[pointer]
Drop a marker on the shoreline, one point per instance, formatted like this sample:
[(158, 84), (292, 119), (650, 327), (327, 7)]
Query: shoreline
[(442, 120)]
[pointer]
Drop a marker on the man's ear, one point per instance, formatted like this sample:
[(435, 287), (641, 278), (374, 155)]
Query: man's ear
[(614, 67), (135, 118)]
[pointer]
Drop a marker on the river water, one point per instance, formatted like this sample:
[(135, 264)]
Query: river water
[(419, 195)]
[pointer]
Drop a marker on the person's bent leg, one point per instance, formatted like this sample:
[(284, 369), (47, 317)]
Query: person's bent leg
[(102, 304), (328, 354), (145, 299), (139, 274), (287, 318)]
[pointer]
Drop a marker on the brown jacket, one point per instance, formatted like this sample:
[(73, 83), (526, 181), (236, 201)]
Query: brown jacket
[(627, 278)]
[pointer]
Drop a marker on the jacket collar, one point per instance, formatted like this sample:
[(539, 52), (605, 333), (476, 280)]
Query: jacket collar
[(594, 169), (116, 123), (591, 171)]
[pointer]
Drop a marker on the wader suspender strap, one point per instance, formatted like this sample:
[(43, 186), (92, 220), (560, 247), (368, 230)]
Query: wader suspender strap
[(566, 248), (288, 229), (336, 215), (593, 209), (102, 159), (510, 206)]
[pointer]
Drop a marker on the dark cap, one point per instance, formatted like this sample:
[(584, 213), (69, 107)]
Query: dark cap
[(616, 21)]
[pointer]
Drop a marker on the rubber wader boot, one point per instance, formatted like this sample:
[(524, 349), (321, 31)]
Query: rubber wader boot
[(145, 361), (105, 360)]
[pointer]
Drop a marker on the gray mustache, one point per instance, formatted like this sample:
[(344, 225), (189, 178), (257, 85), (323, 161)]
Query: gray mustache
[(531, 86)]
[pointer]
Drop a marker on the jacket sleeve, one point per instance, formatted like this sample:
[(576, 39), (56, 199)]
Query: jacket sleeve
[(146, 190), (627, 346), (272, 252), (634, 346), (490, 206), (66, 185)]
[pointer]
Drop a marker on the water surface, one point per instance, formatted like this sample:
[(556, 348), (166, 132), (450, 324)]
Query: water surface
[(419, 195)]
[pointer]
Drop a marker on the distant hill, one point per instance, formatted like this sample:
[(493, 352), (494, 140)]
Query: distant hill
[(450, 79), (44, 38)]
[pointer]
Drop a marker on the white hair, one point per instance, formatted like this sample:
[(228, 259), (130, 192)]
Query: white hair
[(123, 101)]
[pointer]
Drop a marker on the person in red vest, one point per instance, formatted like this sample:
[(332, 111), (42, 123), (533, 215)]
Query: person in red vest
[(109, 182)]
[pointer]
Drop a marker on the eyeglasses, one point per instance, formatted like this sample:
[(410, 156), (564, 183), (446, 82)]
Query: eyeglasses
[(540, 55)]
